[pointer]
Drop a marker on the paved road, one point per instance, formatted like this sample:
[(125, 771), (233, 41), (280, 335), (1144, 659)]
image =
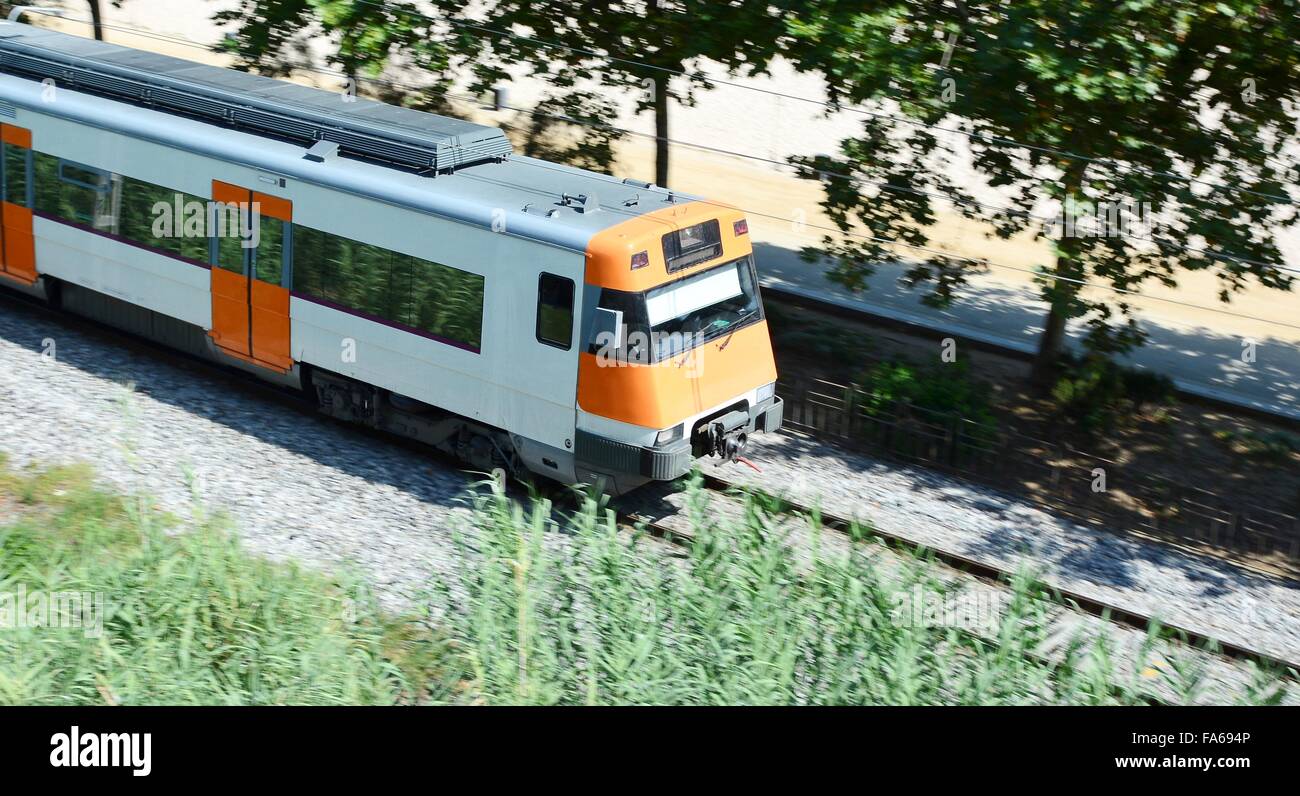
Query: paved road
[(1199, 357)]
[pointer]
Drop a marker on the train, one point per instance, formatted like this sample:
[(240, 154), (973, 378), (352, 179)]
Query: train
[(407, 271)]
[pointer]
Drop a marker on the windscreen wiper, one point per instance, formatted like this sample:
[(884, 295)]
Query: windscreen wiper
[(741, 319)]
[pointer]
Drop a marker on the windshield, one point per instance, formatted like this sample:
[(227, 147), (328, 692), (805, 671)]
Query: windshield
[(676, 317), (697, 309)]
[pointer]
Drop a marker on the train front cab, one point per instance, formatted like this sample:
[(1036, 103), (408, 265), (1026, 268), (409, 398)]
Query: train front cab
[(678, 360)]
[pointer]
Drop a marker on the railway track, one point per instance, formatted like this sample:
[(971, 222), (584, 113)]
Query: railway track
[(955, 562), (1071, 599), (1226, 666)]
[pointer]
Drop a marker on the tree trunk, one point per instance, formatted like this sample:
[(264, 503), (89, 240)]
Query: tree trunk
[(661, 129), (1060, 294), (1050, 346), (659, 79), (97, 19)]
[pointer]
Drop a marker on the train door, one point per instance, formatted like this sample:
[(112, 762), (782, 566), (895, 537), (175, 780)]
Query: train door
[(17, 244), (250, 275)]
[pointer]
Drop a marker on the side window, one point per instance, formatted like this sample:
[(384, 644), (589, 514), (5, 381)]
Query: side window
[(73, 192), (447, 302), (230, 250), (555, 311), (372, 279), (309, 261), (400, 290), (386, 284), (268, 257), (140, 211), (15, 174)]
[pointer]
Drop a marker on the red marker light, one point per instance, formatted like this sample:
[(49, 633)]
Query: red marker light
[(741, 227), (640, 260)]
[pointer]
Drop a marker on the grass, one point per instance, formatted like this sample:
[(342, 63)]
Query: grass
[(739, 618), (189, 617), (545, 607)]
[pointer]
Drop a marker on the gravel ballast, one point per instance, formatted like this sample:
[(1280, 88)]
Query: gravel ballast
[(1198, 593), (298, 487)]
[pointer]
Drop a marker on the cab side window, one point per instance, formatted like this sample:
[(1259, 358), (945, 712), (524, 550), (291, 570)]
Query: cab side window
[(555, 311)]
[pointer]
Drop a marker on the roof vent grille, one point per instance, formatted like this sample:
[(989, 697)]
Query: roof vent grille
[(365, 129)]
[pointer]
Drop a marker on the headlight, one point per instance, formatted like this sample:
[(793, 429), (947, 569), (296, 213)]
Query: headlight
[(765, 392), (668, 435)]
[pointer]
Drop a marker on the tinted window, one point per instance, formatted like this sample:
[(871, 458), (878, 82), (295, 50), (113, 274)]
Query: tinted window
[(161, 218), (72, 192), (269, 255), (447, 301), (139, 213), (439, 299), (15, 165), (692, 245), (555, 310), (703, 306), (636, 330)]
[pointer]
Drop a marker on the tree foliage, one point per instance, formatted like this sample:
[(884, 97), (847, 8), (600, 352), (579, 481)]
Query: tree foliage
[(272, 37), (635, 45), (1189, 107)]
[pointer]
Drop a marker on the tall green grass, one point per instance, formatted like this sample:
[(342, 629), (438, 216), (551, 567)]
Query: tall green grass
[(737, 617), (190, 617), (543, 607)]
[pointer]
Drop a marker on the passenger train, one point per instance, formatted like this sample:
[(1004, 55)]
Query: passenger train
[(407, 271)]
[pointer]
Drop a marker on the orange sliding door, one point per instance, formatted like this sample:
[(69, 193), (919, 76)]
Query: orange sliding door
[(250, 297), (17, 245)]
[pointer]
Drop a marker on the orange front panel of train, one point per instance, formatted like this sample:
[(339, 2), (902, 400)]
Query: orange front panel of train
[(663, 395), (230, 311), (610, 251), (270, 321)]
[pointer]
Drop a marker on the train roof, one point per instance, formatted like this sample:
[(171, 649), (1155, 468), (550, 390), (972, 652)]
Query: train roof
[(439, 164)]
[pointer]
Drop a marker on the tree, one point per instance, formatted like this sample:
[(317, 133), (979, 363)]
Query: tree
[(1184, 108), (97, 18), (271, 38), (268, 37), (633, 44), (573, 128)]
